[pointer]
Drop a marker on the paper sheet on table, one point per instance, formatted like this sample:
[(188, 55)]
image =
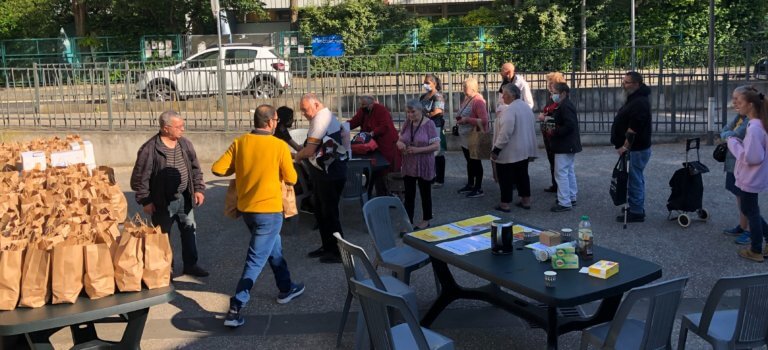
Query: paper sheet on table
[(517, 231), (475, 224), (436, 234), (468, 245)]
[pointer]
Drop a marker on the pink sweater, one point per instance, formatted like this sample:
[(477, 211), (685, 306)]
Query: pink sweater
[(751, 170)]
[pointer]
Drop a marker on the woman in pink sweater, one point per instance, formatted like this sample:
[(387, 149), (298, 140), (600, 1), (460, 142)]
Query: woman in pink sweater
[(751, 169)]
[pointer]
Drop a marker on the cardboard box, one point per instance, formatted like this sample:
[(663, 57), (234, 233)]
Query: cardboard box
[(33, 160), (67, 158), (563, 251), (549, 238), (569, 261), (604, 269)]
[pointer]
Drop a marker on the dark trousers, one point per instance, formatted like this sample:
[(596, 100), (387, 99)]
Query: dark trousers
[(513, 175), (757, 225), (474, 171), (327, 194), (440, 169), (185, 220), (425, 191), (551, 159)]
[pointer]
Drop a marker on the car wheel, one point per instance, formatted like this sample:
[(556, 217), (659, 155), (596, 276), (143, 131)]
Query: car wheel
[(161, 92), (263, 88)]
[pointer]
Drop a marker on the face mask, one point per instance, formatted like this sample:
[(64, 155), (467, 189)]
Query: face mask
[(556, 98), (427, 87)]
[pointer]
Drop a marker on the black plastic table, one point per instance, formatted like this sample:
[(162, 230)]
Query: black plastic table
[(37, 325), (521, 273)]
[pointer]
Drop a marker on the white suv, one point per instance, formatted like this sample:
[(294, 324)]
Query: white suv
[(253, 70)]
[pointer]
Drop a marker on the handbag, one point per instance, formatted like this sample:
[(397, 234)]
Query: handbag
[(618, 188), (480, 144), (720, 152), (455, 130)]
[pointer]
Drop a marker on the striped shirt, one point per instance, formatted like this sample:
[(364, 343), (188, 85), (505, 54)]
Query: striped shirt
[(176, 171)]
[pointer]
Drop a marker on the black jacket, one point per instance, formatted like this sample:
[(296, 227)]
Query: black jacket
[(150, 161), (565, 137), (634, 114)]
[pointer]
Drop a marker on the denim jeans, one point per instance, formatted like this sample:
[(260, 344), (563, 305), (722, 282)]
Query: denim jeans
[(175, 211), (757, 226), (565, 175), (265, 246), (636, 181)]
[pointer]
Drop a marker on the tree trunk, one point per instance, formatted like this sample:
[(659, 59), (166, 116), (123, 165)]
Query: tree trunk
[(294, 4), (79, 12)]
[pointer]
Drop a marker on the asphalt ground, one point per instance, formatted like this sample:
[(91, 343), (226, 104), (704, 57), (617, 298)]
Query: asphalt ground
[(194, 319)]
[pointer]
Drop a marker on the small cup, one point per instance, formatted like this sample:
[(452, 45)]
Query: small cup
[(549, 278), (528, 236), (566, 235)]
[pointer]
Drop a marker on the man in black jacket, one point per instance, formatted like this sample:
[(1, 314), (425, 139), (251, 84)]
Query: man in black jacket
[(631, 132), (168, 182), (565, 142)]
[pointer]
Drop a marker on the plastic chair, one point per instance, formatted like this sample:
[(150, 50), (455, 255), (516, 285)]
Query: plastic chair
[(356, 187), (742, 328), (401, 260), (357, 266), (652, 333), (377, 304)]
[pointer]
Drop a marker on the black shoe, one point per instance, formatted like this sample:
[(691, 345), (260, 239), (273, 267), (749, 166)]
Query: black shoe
[(331, 258), (475, 194), (465, 189), (316, 253), (573, 203), (551, 189), (559, 209), (234, 319), (196, 270), (631, 217)]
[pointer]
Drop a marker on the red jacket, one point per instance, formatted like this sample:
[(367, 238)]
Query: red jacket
[(379, 121)]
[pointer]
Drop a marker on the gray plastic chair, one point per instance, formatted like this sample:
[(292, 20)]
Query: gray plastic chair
[(377, 305), (401, 260), (356, 187), (652, 333), (357, 266), (742, 328)]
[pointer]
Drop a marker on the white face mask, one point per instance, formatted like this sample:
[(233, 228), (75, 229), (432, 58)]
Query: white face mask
[(427, 87)]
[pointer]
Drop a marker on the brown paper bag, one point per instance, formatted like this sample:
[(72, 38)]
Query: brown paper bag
[(35, 277), (289, 201), (157, 260), (66, 273), (129, 262), (118, 203), (230, 201), (10, 278), (99, 278)]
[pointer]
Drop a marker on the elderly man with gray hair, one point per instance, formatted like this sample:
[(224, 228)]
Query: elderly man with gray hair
[(374, 118), (168, 183)]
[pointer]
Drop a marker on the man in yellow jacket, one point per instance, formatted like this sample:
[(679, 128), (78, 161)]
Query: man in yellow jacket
[(260, 162)]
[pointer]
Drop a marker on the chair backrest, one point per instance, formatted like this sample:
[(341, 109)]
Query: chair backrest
[(376, 213), (752, 319), (663, 301), (377, 304), (356, 184), (356, 263), (299, 135)]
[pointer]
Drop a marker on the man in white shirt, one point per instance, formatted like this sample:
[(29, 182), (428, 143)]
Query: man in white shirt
[(508, 76)]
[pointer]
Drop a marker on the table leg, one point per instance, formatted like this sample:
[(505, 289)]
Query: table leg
[(448, 292), (552, 332), (83, 333), (134, 330), (41, 340)]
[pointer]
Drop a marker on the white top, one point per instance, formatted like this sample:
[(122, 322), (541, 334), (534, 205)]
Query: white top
[(525, 91)]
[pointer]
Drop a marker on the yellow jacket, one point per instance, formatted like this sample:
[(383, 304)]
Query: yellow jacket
[(259, 161)]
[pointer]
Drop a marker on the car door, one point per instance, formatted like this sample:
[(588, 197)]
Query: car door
[(238, 64), (198, 75)]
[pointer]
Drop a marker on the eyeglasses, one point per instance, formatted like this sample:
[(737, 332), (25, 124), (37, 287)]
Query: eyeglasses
[(627, 82)]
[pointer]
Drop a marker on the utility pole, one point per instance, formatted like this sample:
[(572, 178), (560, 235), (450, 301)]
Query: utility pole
[(583, 35), (634, 54), (711, 54)]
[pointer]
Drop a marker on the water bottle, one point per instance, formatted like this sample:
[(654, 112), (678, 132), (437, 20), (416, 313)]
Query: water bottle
[(584, 247)]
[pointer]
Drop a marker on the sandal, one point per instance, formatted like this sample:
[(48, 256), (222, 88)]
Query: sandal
[(521, 205), (505, 210)]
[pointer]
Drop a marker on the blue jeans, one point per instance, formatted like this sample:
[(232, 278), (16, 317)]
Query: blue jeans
[(565, 175), (757, 226), (265, 246), (636, 181), (175, 211)]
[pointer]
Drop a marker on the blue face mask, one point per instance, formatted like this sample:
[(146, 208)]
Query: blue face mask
[(556, 98)]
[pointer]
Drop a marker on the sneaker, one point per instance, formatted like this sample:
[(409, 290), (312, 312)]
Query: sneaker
[(748, 254), (559, 208), (437, 185), (196, 270), (475, 194), (331, 258), (573, 203), (296, 290), (316, 253), (234, 319), (631, 217), (736, 231), (465, 189), (744, 239)]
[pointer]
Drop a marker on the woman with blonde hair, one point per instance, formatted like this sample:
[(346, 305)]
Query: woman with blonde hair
[(547, 124), (472, 115)]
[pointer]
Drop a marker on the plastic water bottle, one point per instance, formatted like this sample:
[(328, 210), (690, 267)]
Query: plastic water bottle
[(585, 241)]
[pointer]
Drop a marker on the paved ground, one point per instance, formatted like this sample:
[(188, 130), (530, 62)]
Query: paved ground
[(194, 319)]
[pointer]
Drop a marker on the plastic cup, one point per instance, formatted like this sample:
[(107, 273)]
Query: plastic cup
[(549, 278)]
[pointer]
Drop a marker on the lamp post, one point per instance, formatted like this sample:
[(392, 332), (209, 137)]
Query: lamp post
[(632, 20), (711, 80), (216, 8)]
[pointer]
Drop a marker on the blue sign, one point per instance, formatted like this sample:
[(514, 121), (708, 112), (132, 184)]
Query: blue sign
[(327, 45)]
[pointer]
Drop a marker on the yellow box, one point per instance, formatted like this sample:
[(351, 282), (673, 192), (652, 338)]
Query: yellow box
[(604, 269), (568, 261)]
